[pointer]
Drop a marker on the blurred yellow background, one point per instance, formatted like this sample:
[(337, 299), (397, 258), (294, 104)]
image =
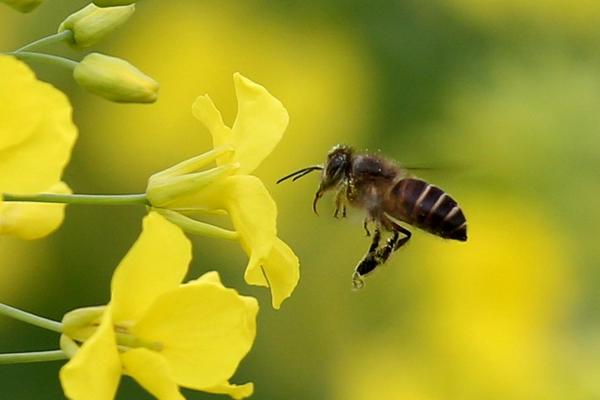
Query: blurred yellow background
[(504, 94)]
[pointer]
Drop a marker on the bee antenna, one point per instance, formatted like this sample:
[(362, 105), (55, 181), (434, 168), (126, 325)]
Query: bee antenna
[(300, 173)]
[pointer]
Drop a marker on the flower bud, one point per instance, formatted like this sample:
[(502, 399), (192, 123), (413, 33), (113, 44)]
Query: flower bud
[(90, 24), (112, 3), (115, 79), (23, 5)]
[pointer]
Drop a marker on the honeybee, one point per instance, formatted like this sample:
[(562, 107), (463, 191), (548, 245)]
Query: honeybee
[(389, 195)]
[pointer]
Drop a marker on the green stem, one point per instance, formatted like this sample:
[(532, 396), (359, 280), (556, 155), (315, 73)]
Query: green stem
[(64, 36), (47, 58), (32, 356), (30, 318), (94, 199)]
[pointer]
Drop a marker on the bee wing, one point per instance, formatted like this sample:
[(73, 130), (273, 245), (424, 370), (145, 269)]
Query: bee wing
[(444, 168)]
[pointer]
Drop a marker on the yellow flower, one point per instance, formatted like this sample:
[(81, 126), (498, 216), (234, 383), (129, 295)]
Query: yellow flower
[(162, 333), (36, 138), (260, 123)]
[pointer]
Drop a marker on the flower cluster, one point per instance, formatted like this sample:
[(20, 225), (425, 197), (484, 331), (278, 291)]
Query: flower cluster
[(163, 333), (158, 331)]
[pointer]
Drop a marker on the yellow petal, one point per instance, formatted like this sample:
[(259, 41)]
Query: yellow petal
[(212, 277), (19, 118), (260, 123), (205, 111), (32, 220), (95, 371), (280, 272), (157, 262), (36, 130), (234, 391), (152, 372), (251, 209), (205, 330), (253, 214), (36, 138), (209, 277)]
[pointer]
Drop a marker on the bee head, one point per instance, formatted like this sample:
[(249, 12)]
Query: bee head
[(333, 172), (336, 167)]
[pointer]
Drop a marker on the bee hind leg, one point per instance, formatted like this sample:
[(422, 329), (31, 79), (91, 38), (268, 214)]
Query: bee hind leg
[(401, 241), (375, 241), (384, 253), (377, 256), (368, 263)]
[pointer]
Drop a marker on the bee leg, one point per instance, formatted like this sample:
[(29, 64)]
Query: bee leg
[(368, 263), (366, 226), (340, 204), (375, 241), (393, 243), (365, 267), (402, 241), (378, 256), (357, 281), (384, 253)]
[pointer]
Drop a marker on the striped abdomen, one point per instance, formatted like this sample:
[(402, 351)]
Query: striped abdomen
[(427, 207)]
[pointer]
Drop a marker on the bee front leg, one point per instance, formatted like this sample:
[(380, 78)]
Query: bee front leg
[(366, 226), (340, 204)]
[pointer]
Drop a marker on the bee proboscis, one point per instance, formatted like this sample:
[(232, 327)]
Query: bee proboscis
[(389, 195)]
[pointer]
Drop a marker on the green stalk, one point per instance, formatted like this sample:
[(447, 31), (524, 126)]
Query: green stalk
[(45, 58), (64, 36), (32, 356), (93, 199), (30, 318)]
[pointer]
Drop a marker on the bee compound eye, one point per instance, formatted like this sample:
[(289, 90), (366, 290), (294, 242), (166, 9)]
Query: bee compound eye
[(335, 165)]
